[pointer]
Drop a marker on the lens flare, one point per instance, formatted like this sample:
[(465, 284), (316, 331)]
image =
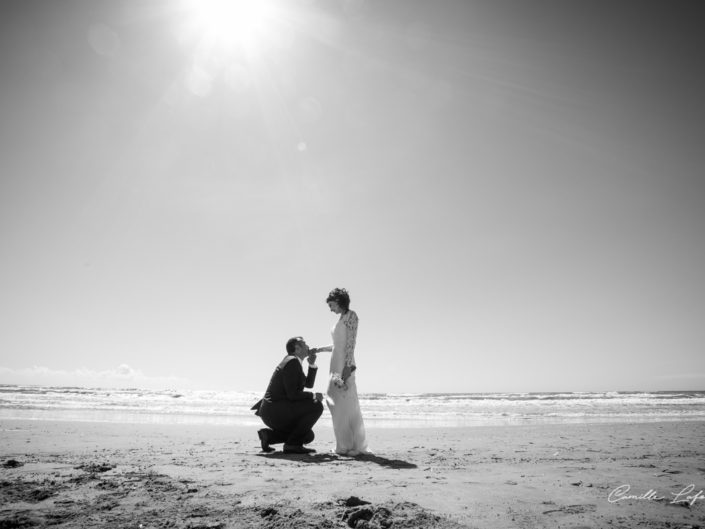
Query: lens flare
[(232, 22)]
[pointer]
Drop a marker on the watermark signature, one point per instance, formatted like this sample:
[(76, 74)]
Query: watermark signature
[(687, 495)]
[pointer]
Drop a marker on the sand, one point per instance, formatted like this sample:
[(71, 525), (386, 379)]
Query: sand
[(82, 474)]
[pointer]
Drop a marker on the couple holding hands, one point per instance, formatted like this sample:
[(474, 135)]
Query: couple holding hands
[(290, 412)]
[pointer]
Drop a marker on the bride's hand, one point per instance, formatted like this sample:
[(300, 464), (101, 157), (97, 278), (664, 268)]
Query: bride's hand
[(338, 382)]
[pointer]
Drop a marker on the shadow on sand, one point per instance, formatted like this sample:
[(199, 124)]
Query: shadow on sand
[(329, 457)]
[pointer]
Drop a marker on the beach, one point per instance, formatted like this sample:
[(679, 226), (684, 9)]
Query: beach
[(108, 474)]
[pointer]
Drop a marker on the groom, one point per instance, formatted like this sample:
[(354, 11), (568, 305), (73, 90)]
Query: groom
[(288, 410)]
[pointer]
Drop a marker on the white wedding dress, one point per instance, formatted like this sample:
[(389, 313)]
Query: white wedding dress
[(342, 401)]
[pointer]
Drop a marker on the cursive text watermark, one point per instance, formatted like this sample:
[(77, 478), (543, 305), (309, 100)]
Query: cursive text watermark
[(686, 495)]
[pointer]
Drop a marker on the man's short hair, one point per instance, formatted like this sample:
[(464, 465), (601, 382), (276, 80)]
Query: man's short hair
[(291, 344)]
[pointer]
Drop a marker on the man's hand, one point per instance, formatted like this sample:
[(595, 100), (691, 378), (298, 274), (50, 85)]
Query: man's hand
[(319, 397), (312, 356)]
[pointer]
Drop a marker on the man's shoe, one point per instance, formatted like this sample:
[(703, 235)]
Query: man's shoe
[(263, 435), (297, 449)]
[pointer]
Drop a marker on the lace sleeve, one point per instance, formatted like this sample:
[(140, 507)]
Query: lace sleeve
[(350, 337)]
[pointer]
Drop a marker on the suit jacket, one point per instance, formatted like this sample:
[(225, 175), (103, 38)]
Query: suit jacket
[(288, 382)]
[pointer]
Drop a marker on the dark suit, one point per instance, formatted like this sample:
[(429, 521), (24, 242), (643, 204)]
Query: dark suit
[(286, 408)]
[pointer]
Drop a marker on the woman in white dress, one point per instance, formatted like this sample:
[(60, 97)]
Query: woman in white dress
[(342, 390)]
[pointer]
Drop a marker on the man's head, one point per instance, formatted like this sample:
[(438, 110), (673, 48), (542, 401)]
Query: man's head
[(297, 346)]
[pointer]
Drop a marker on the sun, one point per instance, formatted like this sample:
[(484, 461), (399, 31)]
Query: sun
[(232, 23)]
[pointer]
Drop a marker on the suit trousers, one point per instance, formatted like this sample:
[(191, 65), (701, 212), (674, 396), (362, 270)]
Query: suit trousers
[(291, 421)]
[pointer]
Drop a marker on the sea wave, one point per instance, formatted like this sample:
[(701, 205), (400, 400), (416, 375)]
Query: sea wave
[(379, 409)]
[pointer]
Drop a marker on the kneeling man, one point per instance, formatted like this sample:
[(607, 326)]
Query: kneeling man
[(288, 410)]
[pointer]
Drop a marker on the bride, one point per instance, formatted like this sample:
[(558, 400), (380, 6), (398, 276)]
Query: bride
[(342, 390)]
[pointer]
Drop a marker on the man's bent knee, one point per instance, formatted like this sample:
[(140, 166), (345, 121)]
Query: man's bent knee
[(310, 436)]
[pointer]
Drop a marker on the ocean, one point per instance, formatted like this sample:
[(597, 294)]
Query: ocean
[(389, 410)]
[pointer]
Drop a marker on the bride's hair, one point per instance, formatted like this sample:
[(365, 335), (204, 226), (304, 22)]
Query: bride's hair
[(341, 297)]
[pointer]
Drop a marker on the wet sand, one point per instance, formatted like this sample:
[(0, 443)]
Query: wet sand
[(89, 474)]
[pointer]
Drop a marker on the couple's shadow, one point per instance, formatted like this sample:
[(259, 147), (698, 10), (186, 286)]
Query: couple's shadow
[(317, 458)]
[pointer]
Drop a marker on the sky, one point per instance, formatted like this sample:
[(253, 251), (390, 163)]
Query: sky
[(512, 192)]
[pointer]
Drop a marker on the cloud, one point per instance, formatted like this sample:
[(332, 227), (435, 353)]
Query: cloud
[(682, 376), (122, 376), (694, 381)]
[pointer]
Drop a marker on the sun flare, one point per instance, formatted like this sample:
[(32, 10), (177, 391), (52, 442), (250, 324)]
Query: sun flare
[(230, 23)]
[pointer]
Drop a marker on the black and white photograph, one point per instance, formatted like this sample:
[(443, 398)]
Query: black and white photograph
[(373, 264)]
